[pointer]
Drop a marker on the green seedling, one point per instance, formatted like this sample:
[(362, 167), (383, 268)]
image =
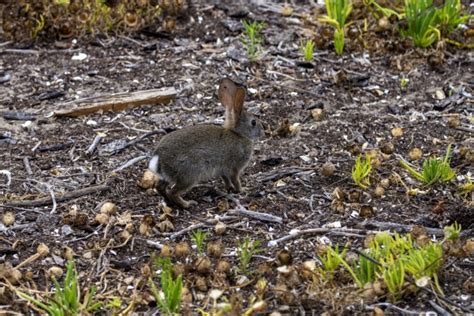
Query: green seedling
[(361, 171), (434, 170), (452, 232), (332, 259), (404, 82), (198, 237), (307, 48), (421, 18), (245, 251), (169, 298), (466, 187), (66, 299), (252, 38), (449, 16), (337, 13), (394, 278), (387, 12)]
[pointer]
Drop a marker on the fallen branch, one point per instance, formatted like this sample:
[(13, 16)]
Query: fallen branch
[(207, 222), (242, 211), (398, 227), (59, 197), (116, 102), (322, 230)]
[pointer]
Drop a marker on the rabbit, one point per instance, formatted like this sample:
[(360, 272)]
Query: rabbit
[(199, 153)]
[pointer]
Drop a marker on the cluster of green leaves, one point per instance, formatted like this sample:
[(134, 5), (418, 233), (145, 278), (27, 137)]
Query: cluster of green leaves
[(426, 22), (392, 259), (337, 13), (434, 170), (245, 251), (252, 38), (361, 171), (307, 48), (66, 299), (169, 298), (64, 18), (198, 237)]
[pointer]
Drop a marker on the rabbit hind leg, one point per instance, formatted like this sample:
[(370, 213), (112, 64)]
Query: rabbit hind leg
[(228, 184), (235, 179), (174, 194)]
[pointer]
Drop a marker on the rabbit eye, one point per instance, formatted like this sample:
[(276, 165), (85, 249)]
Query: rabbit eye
[(254, 122)]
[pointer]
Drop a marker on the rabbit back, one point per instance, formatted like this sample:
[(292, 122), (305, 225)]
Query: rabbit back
[(199, 153)]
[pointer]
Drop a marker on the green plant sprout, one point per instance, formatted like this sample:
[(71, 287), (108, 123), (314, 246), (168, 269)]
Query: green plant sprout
[(252, 38), (394, 278), (332, 259), (361, 171), (169, 298), (404, 82), (434, 169), (421, 18), (387, 12), (466, 187), (245, 251), (449, 16), (452, 232), (198, 237), (337, 13), (307, 48), (66, 299)]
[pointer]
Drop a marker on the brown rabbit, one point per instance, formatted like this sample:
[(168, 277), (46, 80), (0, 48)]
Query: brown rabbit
[(198, 153)]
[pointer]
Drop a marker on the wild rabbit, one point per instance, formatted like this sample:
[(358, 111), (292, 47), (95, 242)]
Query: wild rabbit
[(198, 153)]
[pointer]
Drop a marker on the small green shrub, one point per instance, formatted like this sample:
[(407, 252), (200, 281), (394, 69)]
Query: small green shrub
[(169, 298), (252, 38), (449, 16), (66, 299), (361, 171), (434, 170), (337, 13), (307, 48), (198, 237), (421, 17), (245, 251)]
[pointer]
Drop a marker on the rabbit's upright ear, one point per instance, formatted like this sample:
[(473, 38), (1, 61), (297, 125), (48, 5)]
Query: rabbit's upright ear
[(239, 99), (226, 92)]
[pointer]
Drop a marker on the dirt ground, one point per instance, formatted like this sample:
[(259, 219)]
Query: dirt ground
[(362, 101)]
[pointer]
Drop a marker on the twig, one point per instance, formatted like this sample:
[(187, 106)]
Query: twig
[(60, 198), (129, 163), (208, 222), (257, 215), (26, 162), (391, 306), (314, 231), (439, 309), (399, 227), (94, 144), (138, 139)]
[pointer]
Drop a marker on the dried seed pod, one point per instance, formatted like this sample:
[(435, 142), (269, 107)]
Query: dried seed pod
[(166, 251), (223, 206), (215, 248), (318, 114), (397, 132), (8, 218), (354, 196), (385, 183), (102, 218), (203, 265), (223, 266), (379, 191), (415, 154), (338, 194), (387, 148), (165, 226), (328, 169), (108, 208), (284, 257), (468, 247), (201, 284), (182, 249), (131, 19), (55, 271), (366, 211), (149, 180), (68, 253), (220, 228), (454, 121)]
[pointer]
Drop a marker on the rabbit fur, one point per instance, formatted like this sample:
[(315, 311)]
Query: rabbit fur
[(199, 153)]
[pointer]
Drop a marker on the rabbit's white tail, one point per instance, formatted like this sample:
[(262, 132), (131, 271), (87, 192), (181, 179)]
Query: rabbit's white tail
[(153, 164)]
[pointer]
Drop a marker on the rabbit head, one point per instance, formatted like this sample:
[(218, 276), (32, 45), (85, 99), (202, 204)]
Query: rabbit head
[(232, 97)]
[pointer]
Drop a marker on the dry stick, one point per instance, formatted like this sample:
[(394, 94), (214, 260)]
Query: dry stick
[(402, 227), (60, 198), (391, 306), (265, 217), (204, 223), (314, 231), (138, 139), (129, 163), (94, 144), (26, 162)]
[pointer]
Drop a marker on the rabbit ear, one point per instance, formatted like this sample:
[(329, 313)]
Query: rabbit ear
[(226, 93), (239, 99)]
